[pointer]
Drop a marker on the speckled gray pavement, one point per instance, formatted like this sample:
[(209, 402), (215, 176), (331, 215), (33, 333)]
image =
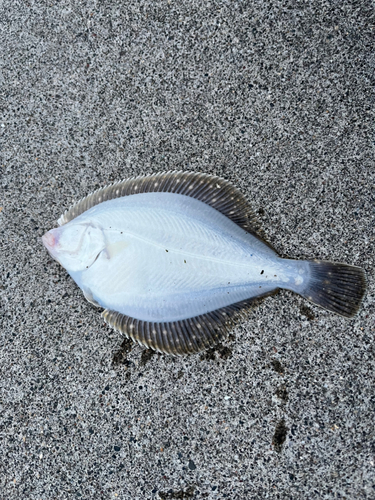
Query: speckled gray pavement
[(275, 97)]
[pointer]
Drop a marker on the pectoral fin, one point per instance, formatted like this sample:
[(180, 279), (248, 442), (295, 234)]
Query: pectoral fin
[(114, 249)]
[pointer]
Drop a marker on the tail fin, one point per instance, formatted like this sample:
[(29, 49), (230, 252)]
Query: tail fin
[(336, 287)]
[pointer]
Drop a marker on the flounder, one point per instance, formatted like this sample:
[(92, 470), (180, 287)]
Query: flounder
[(176, 258)]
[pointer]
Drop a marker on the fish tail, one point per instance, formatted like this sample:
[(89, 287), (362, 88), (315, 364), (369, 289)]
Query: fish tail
[(336, 287)]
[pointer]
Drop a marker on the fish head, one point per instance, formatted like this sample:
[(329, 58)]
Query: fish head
[(76, 246)]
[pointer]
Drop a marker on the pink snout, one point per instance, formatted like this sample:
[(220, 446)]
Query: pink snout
[(48, 240)]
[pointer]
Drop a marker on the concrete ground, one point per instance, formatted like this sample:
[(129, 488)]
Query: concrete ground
[(274, 96)]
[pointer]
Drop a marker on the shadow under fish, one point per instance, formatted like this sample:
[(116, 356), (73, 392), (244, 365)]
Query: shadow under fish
[(176, 258)]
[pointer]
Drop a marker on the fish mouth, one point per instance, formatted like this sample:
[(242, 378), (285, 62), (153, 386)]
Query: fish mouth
[(48, 240)]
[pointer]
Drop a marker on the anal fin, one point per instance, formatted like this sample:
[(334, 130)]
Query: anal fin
[(185, 336)]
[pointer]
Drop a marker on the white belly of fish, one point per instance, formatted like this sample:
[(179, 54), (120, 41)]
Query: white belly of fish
[(170, 257)]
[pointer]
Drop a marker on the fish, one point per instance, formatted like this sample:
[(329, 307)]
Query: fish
[(176, 259)]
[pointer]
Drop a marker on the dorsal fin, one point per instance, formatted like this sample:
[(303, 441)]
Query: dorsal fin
[(186, 336), (215, 191)]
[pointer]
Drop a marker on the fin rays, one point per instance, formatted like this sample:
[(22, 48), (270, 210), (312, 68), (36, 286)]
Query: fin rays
[(336, 287), (212, 190), (186, 336)]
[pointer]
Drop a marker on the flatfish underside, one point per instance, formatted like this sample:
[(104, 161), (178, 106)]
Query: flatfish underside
[(176, 258)]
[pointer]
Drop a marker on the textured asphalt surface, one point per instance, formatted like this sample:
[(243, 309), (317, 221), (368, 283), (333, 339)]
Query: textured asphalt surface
[(275, 97)]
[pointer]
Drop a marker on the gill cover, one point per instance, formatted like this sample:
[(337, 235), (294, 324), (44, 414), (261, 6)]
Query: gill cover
[(75, 246)]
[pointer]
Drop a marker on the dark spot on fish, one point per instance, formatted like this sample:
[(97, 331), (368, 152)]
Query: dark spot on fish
[(282, 393), (262, 271), (279, 437), (277, 366), (306, 311)]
